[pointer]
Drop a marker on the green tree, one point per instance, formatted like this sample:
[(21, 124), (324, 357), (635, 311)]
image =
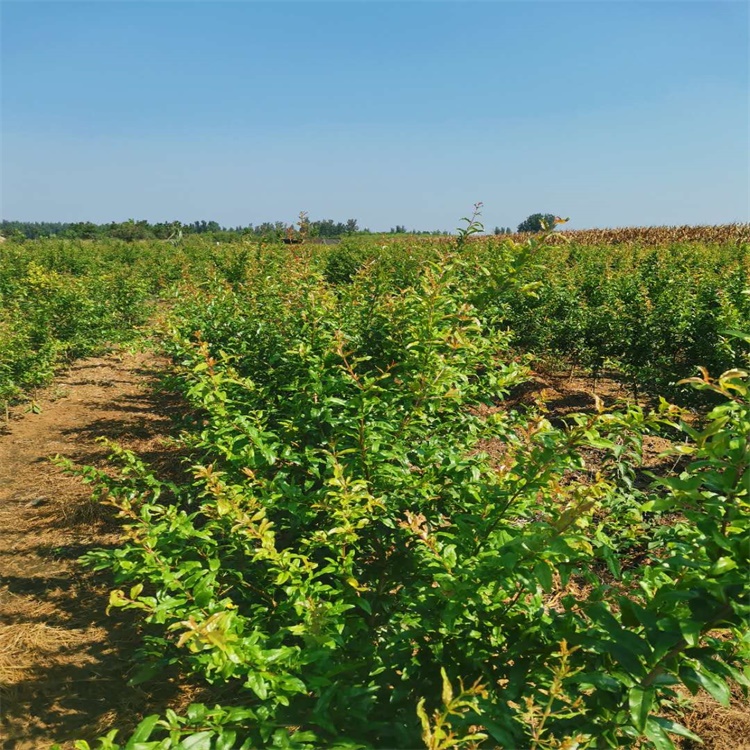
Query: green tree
[(130, 230), (536, 222), (84, 230)]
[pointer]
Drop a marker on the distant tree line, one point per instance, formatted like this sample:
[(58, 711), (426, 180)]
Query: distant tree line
[(143, 230), (131, 229), (401, 229)]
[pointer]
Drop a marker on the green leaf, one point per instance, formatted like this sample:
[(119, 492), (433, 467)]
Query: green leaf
[(364, 604), (146, 672), (640, 702), (674, 728), (136, 590), (713, 685), (203, 591), (196, 712), (447, 688), (258, 685), (543, 575), (658, 736), (625, 658), (598, 680), (226, 740), (449, 555), (613, 564), (691, 631), (199, 741), (722, 565), (143, 730), (736, 334), (238, 713)]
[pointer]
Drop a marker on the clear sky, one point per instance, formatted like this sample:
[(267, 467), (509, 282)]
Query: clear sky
[(612, 113)]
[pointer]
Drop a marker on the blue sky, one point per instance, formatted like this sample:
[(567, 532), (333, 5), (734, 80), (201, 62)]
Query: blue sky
[(612, 113)]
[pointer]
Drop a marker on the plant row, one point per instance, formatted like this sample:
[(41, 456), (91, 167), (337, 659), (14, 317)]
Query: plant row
[(648, 314), (63, 299), (377, 551)]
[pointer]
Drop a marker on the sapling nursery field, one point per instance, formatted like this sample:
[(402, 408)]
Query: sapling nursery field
[(376, 540)]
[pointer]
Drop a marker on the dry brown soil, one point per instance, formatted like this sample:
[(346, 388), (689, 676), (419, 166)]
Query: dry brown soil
[(63, 662)]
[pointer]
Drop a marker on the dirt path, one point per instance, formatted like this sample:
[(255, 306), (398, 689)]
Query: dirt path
[(63, 662)]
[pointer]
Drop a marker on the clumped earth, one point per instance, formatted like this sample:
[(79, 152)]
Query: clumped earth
[(64, 663)]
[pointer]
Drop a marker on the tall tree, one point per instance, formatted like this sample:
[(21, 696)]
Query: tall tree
[(537, 223)]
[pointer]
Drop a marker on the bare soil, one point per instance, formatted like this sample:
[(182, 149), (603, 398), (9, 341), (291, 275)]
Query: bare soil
[(64, 663)]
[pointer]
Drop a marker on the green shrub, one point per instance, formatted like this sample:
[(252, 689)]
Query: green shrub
[(367, 529)]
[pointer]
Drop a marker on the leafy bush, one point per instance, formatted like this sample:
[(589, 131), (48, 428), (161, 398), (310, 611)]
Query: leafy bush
[(49, 317), (648, 313), (375, 551)]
